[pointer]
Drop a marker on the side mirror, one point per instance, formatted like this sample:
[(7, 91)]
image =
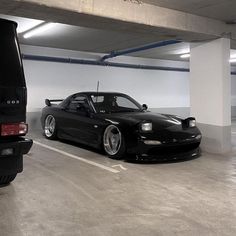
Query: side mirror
[(145, 107)]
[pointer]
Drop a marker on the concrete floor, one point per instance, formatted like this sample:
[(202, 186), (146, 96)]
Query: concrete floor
[(59, 195)]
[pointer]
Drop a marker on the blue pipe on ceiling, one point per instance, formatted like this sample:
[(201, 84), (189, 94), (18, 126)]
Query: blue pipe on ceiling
[(138, 49), (100, 63)]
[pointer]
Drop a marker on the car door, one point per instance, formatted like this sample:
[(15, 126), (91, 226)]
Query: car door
[(79, 123)]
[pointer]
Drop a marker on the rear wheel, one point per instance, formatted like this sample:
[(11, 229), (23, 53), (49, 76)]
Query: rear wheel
[(113, 142), (6, 179), (50, 127)]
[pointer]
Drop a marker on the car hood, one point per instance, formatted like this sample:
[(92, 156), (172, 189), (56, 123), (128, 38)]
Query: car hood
[(159, 120)]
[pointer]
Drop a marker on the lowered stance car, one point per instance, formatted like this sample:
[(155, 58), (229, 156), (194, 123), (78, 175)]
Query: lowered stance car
[(118, 124)]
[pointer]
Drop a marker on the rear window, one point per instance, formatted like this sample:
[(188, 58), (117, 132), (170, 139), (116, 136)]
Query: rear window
[(11, 68)]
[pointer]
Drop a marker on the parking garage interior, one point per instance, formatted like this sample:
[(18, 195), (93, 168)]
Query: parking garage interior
[(178, 57)]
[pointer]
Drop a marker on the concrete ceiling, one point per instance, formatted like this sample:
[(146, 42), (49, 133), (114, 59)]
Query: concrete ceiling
[(94, 40), (87, 39), (224, 10), (80, 38)]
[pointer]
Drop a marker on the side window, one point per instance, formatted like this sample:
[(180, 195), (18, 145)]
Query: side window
[(98, 103), (77, 103), (125, 103)]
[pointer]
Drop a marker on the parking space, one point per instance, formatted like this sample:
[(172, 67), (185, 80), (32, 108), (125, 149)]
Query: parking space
[(139, 78), (60, 195)]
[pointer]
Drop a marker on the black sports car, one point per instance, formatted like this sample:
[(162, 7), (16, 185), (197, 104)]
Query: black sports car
[(120, 125)]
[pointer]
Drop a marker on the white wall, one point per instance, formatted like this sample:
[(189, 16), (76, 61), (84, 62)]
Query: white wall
[(210, 84), (58, 80), (233, 89), (233, 94), (159, 89)]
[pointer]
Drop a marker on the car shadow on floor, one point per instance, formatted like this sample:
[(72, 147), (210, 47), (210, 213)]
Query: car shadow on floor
[(82, 146), (132, 159), (161, 161)]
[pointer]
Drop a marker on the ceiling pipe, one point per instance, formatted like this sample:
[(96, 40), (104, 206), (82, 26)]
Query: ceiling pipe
[(105, 63), (101, 63), (138, 49)]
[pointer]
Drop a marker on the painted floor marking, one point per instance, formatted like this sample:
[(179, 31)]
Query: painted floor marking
[(77, 158), (233, 132), (120, 166)]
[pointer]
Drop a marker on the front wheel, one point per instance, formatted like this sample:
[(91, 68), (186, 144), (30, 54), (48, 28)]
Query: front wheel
[(113, 142), (6, 179), (50, 127)]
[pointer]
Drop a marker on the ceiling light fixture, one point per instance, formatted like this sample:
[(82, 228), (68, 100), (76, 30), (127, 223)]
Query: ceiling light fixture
[(28, 25), (185, 55), (38, 30), (232, 60), (183, 51), (233, 56)]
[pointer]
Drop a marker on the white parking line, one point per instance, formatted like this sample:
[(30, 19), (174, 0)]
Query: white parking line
[(233, 132), (120, 166), (78, 158)]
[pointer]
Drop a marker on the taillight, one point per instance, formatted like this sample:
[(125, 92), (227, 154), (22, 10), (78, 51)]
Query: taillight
[(14, 129)]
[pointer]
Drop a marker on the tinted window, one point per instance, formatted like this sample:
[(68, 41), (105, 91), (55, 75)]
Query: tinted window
[(109, 103), (123, 102), (78, 104), (11, 69)]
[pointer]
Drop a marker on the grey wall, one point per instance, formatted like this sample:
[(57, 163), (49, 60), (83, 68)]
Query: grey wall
[(233, 93), (163, 91), (233, 111), (179, 111), (33, 120)]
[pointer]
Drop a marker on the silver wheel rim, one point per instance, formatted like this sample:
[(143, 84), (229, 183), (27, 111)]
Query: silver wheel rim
[(112, 140), (50, 125)]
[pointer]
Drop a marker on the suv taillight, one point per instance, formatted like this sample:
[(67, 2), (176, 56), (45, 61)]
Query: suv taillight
[(14, 129)]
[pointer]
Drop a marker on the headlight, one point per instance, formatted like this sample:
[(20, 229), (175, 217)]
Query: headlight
[(192, 123), (147, 126)]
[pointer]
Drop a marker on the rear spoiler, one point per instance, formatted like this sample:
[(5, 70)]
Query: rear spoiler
[(49, 102)]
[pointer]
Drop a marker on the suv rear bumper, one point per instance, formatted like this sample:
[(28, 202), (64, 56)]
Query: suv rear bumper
[(12, 164)]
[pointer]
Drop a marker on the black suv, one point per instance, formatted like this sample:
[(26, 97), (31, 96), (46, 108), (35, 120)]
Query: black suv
[(13, 99)]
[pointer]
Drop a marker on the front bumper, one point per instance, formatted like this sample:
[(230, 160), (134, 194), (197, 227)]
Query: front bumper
[(12, 164), (169, 151)]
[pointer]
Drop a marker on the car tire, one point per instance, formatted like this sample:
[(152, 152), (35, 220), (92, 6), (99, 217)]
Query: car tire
[(50, 128), (114, 143), (6, 179)]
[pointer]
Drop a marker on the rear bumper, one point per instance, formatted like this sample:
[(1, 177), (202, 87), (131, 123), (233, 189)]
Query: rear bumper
[(12, 164)]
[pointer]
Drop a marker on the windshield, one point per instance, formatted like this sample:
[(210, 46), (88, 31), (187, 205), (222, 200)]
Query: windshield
[(112, 103)]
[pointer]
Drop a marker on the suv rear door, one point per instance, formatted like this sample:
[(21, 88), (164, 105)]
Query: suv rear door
[(12, 81), (12, 105)]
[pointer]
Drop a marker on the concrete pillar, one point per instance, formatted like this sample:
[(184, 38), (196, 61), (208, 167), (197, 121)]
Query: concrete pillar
[(210, 93)]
